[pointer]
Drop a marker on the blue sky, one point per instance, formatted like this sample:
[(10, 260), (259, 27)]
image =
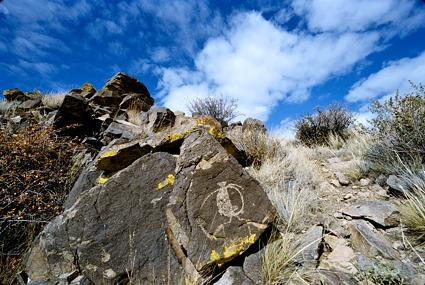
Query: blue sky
[(279, 59)]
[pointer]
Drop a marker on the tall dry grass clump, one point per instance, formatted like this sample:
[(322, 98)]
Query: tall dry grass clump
[(412, 208), (289, 178), (54, 99)]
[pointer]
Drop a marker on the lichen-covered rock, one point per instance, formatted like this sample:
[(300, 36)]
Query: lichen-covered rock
[(124, 84), (117, 157), (114, 231), (217, 211), (88, 90), (14, 94)]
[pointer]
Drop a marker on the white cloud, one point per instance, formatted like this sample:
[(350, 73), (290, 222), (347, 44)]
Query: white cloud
[(261, 64), (394, 76), (358, 15)]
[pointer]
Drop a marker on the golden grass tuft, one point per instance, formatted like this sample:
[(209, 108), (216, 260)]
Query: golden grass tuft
[(54, 99), (413, 208), (289, 179)]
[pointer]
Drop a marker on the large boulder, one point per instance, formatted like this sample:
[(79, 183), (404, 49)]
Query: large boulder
[(216, 211), (14, 94), (75, 117), (114, 232)]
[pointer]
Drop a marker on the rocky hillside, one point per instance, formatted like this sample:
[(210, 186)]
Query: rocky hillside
[(171, 199)]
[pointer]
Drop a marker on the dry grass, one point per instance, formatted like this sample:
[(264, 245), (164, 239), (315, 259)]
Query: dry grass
[(54, 99), (277, 263), (355, 147), (258, 145), (7, 108), (289, 180), (413, 210)]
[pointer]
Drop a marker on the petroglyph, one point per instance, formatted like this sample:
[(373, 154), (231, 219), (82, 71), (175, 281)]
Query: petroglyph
[(225, 206), (224, 203)]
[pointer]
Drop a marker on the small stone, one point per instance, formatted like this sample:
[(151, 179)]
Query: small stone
[(334, 160), (341, 178), (398, 245), (364, 182), (338, 215), (348, 196), (335, 183)]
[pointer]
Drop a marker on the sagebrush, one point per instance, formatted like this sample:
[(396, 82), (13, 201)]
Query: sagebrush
[(399, 129), (335, 120)]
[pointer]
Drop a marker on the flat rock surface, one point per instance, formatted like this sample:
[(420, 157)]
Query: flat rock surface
[(113, 230), (217, 210), (380, 212)]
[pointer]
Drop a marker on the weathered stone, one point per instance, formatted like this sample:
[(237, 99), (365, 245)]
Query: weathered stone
[(120, 156), (395, 184), (379, 212), (341, 178), (309, 246), (364, 182), (113, 231), (234, 276), (217, 211), (14, 94), (136, 101), (252, 266), (125, 84), (369, 243), (331, 277), (209, 121), (160, 119), (106, 98), (339, 259), (251, 124), (30, 104), (74, 117), (122, 129), (88, 90)]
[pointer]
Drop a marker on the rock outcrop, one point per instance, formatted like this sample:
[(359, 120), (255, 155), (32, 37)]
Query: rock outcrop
[(168, 199), (163, 201)]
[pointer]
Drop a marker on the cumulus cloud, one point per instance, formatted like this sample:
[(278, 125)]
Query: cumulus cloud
[(259, 64), (394, 76), (359, 15)]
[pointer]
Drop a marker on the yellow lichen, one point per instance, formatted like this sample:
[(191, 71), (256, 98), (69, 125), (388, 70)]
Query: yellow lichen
[(238, 247), (167, 181), (214, 256), (216, 133), (109, 153), (102, 179)]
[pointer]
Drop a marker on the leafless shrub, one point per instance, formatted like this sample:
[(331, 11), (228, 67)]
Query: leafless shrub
[(224, 109)]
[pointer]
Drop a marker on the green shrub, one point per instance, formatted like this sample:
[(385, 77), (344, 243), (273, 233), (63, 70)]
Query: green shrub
[(34, 167), (313, 130), (399, 128)]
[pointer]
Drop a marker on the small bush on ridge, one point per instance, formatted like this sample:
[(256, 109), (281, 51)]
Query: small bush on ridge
[(222, 108), (313, 130)]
